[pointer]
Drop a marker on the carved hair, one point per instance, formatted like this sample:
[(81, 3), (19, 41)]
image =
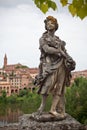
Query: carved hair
[(54, 20)]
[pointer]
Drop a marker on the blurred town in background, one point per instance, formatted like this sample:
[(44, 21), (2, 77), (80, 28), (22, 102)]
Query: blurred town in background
[(16, 77)]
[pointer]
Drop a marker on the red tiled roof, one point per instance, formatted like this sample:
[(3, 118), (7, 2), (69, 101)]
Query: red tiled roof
[(33, 70)]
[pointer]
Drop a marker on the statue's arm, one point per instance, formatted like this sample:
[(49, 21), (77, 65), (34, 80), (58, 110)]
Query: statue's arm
[(64, 51), (50, 50), (47, 48), (68, 57)]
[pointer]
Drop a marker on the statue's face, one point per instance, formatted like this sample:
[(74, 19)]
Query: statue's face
[(50, 25)]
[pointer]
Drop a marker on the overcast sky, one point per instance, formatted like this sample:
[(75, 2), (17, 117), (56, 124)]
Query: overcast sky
[(22, 24)]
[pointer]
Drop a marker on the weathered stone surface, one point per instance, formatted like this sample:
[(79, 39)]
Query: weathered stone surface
[(12, 126), (26, 122), (45, 117)]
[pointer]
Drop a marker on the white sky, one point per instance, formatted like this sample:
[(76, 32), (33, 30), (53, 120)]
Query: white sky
[(22, 24)]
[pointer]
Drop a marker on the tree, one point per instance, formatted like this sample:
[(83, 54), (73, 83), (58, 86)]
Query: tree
[(76, 100), (23, 92), (76, 7), (3, 96)]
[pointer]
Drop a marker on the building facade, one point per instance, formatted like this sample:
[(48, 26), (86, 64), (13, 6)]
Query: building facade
[(16, 77), (5, 86)]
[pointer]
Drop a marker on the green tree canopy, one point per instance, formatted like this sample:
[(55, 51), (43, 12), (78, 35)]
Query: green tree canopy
[(76, 100), (76, 7)]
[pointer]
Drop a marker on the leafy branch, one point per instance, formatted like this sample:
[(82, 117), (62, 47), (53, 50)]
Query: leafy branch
[(76, 7)]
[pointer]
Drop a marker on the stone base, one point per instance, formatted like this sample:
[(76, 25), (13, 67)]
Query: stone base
[(44, 117), (44, 122)]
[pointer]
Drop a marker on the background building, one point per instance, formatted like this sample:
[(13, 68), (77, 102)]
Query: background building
[(16, 77)]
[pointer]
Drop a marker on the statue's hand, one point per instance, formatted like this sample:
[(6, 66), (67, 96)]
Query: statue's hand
[(70, 63), (63, 54)]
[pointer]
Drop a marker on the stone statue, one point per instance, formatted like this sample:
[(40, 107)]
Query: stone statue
[(54, 69)]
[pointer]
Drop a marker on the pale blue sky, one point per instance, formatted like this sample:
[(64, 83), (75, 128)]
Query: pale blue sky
[(22, 24)]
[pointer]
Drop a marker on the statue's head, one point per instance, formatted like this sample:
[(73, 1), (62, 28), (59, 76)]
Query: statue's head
[(51, 23)]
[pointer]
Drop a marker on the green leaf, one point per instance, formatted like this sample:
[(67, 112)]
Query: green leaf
[(37, 2), (52, 5), (82, 12), (72, 9), (42, 1), (78, 3), (44, 7), (64, 2)]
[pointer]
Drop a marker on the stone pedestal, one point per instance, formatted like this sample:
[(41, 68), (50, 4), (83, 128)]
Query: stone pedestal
[(48, 122)]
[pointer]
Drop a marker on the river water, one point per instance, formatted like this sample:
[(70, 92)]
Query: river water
[(9, 114)]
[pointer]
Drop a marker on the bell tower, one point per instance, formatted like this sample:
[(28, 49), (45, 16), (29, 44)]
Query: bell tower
[(5, 60)]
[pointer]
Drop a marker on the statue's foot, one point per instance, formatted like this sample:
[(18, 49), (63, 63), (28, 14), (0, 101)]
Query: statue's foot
[(56, 114), (64, 115), (39, 111)]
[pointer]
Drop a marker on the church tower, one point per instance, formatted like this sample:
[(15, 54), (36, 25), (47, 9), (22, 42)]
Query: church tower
[(5, 60)]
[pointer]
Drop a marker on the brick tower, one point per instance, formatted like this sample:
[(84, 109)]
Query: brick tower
[(5, 60)]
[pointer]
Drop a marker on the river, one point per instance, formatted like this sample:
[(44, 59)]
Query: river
[(10, 113)]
